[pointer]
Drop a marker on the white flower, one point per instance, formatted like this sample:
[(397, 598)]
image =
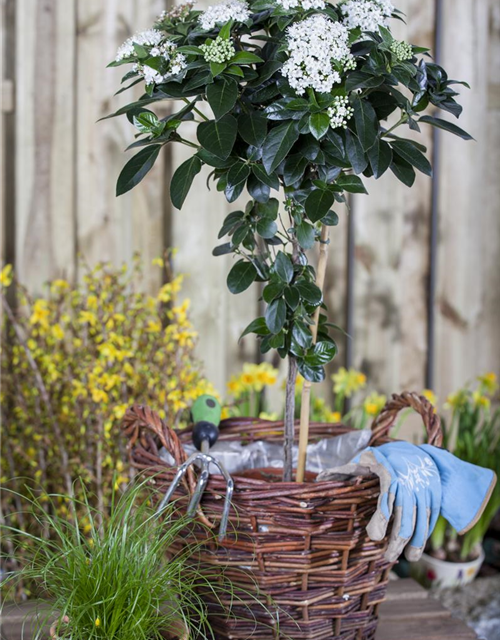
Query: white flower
[(178, 12), (150, 38), (317, 48), (402, 50), (218, 50), (221, 13), (368, 15), (340, 112), (303, 4), (175, 63)]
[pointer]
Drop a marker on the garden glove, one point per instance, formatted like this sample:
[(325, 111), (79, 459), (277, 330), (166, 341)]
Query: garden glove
[(417, 483)]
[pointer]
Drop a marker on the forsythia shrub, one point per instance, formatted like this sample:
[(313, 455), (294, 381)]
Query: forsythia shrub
[(73, 361)]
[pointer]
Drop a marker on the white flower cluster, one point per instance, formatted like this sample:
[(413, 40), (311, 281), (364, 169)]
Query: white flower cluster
[(302, 4), (349, 63), (317, 47), (178, 12), (149, 38), (221, 13), (368, 15), (219, 50), (402, 50), (340, 112)]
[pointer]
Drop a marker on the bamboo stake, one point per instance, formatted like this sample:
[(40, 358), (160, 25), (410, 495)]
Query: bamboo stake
[(306, 389)]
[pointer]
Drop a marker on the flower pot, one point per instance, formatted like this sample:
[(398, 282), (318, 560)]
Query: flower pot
[(431, 572), (295, 552)]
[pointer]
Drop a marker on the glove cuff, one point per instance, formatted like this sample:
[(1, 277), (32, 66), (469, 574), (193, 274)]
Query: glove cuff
[(483, 506)]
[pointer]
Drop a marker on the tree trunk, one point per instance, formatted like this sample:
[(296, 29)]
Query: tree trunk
[(289, 420)]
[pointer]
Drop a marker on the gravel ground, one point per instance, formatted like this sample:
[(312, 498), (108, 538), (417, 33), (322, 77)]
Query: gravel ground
[(478, 604)]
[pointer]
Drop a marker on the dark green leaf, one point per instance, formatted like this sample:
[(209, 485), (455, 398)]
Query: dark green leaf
[(352, 184), (294, 168), (310, 293), (223, 249), (253, 127), (361, 80), (318, 204), (302, 334), (305, 235), (320, 354), (292, 297), (355, 153), (257, 326), (221, 96), (238, 173), (268, 209), (366, 123), (217, 68), (183, 179), (266, 228), (218, 137), (272, 291), (283, 267), (380, 157), (276, 315), (313, 374), (245, 57), (319, 124), (447, 126), (258, 190), (403, 171), (241, 276), (278, 143), (331, 219), (411, 154), (213, 161), (271, 180), (136, 168)]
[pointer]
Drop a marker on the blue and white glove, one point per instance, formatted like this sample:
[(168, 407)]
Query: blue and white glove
[(417, 483)]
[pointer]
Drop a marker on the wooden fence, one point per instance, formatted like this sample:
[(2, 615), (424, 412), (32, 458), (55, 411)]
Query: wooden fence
[(414, 275)]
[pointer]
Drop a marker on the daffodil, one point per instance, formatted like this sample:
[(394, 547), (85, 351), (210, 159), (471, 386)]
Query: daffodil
[(430, 396), (488, 382), (348, 382), (374, 404)]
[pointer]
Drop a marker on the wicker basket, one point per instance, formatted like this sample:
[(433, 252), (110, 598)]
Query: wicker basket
[(301, 548)]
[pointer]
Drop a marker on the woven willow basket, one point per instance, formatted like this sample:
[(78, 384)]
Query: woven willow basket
[(302, 549)]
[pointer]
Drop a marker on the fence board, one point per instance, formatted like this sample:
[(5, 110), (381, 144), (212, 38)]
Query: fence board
[(45, 221), (469, 268), (391, 258), (67, 166), (112, 228)]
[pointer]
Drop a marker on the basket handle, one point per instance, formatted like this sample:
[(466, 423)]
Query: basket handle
[(387, 417)]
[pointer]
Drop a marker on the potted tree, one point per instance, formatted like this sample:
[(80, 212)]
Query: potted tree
[(473, 435), (295, 99)]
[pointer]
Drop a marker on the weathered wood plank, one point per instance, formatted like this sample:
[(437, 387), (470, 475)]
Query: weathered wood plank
[(112, 228), (469, 265), (392, 230), (45, 221), (219, 316)]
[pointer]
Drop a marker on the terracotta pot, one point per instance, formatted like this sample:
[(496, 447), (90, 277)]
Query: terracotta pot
[(431, 572)]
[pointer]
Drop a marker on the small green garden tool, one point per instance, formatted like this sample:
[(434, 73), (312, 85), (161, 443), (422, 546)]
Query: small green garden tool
[(206, 413)]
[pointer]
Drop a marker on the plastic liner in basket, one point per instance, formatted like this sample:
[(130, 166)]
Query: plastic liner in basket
[(325, 454)]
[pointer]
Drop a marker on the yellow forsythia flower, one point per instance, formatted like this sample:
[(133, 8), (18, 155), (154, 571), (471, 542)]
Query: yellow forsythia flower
[(6, 276)]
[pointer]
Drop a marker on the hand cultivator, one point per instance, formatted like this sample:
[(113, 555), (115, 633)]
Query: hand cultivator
[(206, 414)]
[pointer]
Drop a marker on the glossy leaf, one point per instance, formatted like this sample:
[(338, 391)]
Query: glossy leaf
[(218, 137), (221, 96), (276, 315), (352, 184), (278, 144), (252, 127), (319, 123), (136, 168), (183, 179), (318, 204), (241, 276), (284, 267)]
